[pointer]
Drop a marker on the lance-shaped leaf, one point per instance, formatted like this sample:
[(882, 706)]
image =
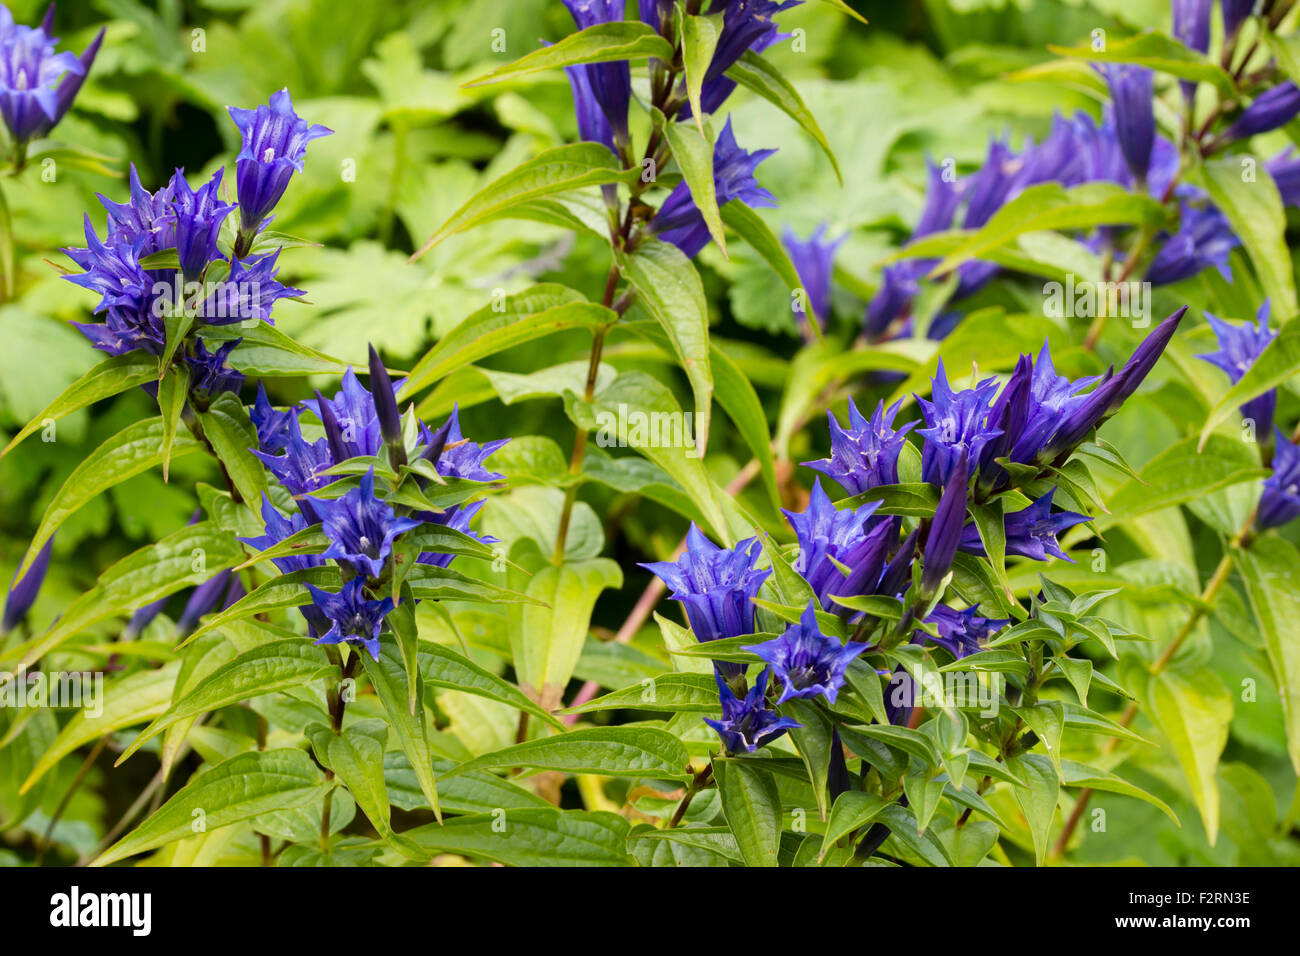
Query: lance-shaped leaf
[(391, 681), (227, 427), (443, 667), (288, 590), (759, 75), (1157, 51), (1271, 570), (612, 751), (266, 351), (240, 788), (1193, 711), (533, 836), (699, 40), (110, 377), (694, 155), (672, 692), (601, 43), (752, 808)]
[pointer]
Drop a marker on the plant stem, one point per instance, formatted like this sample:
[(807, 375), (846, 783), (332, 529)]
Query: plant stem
[(1218, 580), (699, 781), (67, 797)]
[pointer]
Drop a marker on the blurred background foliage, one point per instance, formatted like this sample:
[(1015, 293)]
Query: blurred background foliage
[(928, 78)]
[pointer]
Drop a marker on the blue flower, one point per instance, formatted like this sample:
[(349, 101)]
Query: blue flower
[(808, 663), (1053, 399), (211, 373), (945, 533), (353, 617), (961, 633), (716, 585), (127, 296), (610, 84), (31, 100), (361, 527), (301, 468), (865, 455), (1285, 170), (203, 599), (814, 260), (461, 458), (746, 25), (1204, 238), (656, 13), (832, 540), (1280, 501), (1239, 347), (275, 142), (22, 594), (957, 426), (747, 724), (1234, 12), (1132, 90), (1271, 109), (272, 426), (146, 220), (248, 292), (279, 527), (1192, 27), (593, 126), (1031, 532), (198, 217), (353, 408), (680, 222)]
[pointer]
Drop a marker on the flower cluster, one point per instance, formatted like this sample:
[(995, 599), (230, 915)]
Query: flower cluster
[(364, 524), (210, 280), (37, 85), (972, 440)]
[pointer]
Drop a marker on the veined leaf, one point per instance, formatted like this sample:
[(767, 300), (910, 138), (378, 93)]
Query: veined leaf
[(699, 40), (752, 808), (601, 43), (227, 427), (694, 155), (389, 677), (612, 751), (443, 667), (673, 692), (1193, 712), (757, 74), (1157, 52), (1271, 570), (534, 836)]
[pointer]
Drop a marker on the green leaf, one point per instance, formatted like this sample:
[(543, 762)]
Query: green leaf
[(752, 808), (1075, 774), (670, 287), (694, 155), (601, 43), (760, 76), (173, 391), (443, 667), (538, 836), (132, 700), (699, 40), (1276, 365), (612, 751), (240, 788), (1193, 712), (853, 810), (110, 377), (227, 427), (134, 449), (357, 757), (546, 639), (1258, 218), (1038, 799), (266, 351), (1271, 570), (278, 593), (672, 692), (1157, 52), (557, 170), (1182, 473), (278, 666), (814, 742), (531, 314)]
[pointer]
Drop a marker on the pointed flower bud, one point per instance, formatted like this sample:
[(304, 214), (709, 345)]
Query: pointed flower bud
[(1271, 109), (390, 420), (1132, 90), (945, 530), (22, 594)]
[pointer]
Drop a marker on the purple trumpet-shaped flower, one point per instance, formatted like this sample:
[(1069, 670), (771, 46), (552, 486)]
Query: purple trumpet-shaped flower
[(386, 413), (746, 26), (202, 600), (22, 594), (1192, 27), (593, 126), (1132, 90), (361, 527), (865, 455), (958, 426), (146, 220), (716, 585), (1009, 414), (198, 216), (1234, 12), (808, 663), (301, 468), (1271, 109), (1030, 533), (459, 457), (831, 540), (1280, 501), (353, 411), (29, 75), (945, 532), (1204, 238), (1053, 399), (656, 13), (897, 576), (126, 292), (610, 84), (1239, 347), (211, 373), (353, 617), (272, 426), (279, 527), (142, 619), (814, 260), (275, 142), (1106, 399), (747, 723), (249, 292), (681, 223), (961, 633), (1285, 170)]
